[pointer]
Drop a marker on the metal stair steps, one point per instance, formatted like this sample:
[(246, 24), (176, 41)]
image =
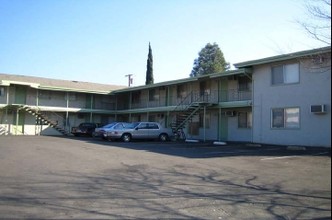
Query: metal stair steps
[(43, 118)]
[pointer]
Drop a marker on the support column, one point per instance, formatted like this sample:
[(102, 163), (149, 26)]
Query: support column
[(204, 123), (67, 113)]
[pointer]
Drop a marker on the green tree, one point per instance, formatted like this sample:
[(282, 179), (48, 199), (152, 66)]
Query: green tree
[(149, 68), (210, 60)]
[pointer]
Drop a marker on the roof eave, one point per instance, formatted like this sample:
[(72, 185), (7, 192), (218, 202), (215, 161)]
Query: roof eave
[(283, 57), (186, 80)]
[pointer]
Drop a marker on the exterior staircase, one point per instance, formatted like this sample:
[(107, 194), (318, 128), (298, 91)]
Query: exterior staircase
[(3, 130), (44, 119), (186, 110), (183, 117)]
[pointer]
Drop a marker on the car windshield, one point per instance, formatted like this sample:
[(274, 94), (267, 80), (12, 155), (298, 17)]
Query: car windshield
[(110, 125)]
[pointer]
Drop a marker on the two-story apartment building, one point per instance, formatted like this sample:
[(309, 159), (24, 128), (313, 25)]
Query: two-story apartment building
[(41, 106), (292, 98), (283, 99)]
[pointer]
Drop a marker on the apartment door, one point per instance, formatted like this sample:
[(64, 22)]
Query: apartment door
[(20, 95), (223, 128), (205, 91), (19, 121), (89, 101)]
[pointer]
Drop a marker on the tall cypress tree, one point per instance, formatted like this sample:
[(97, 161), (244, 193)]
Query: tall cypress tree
[(149, 68)]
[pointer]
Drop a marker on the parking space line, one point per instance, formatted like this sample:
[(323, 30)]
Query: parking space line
[(228, 152), (285, 157)]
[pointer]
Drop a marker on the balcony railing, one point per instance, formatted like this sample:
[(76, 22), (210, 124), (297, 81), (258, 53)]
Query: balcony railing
[(234, 95), (213, 96), (207, 97)]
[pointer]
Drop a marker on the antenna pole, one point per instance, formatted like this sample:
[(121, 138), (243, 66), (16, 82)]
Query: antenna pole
[(130, 79)]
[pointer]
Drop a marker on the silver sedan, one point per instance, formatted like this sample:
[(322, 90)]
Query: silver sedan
[(140, 130)]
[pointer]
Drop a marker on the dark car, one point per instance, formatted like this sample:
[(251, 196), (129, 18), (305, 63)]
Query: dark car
[(85, 129)]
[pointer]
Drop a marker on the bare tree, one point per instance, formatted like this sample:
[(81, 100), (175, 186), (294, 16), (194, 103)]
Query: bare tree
[(318, 26)]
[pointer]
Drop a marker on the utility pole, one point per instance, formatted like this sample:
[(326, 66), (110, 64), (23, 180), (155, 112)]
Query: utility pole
[(130, 79)]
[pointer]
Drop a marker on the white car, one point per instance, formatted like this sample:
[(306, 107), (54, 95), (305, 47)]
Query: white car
[(99, 132), (140, 130)]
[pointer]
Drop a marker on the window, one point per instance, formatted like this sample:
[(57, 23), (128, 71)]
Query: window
[(244, 84), (207, 120), (2, 91), (286, 118), (285, 74), (204, 88), (71, 96), (43, 94), (135, 98), (181, 91), (143, 126), (153, 95), (244, 119)]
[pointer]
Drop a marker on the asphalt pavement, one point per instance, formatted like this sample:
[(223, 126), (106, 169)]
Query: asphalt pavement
[(43, 177)]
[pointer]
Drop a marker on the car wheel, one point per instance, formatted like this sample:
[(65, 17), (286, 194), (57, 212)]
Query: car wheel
[(163, 137), (126, 137)]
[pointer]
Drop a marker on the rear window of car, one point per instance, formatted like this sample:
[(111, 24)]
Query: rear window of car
[(153, 126), (88, 125)]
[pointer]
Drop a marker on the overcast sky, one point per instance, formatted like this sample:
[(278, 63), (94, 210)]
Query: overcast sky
[(103, 40)]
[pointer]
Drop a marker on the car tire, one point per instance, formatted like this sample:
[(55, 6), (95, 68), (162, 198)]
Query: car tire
[(163, 137), (126, 137)]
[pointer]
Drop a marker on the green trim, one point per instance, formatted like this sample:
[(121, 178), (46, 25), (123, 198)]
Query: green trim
[(235, 104), (185, 80), (168, 83), (284, 57), (64, 89)]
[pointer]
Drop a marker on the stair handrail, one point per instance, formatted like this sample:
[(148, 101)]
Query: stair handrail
[(191, 95), (45, 118)]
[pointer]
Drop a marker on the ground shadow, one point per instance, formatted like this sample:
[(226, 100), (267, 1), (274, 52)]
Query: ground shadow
[(139, 192), (210, 150)]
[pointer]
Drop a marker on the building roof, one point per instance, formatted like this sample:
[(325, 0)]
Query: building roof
[(56, 84), (284, 57), (185, 80)]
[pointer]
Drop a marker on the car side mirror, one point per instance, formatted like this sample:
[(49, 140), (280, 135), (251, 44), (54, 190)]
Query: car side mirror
[(136, 129)]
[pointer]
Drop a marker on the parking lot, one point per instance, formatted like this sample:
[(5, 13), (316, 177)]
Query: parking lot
[(85, 178)]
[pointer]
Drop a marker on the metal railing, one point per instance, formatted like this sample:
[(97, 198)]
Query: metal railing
[(213, 97)]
